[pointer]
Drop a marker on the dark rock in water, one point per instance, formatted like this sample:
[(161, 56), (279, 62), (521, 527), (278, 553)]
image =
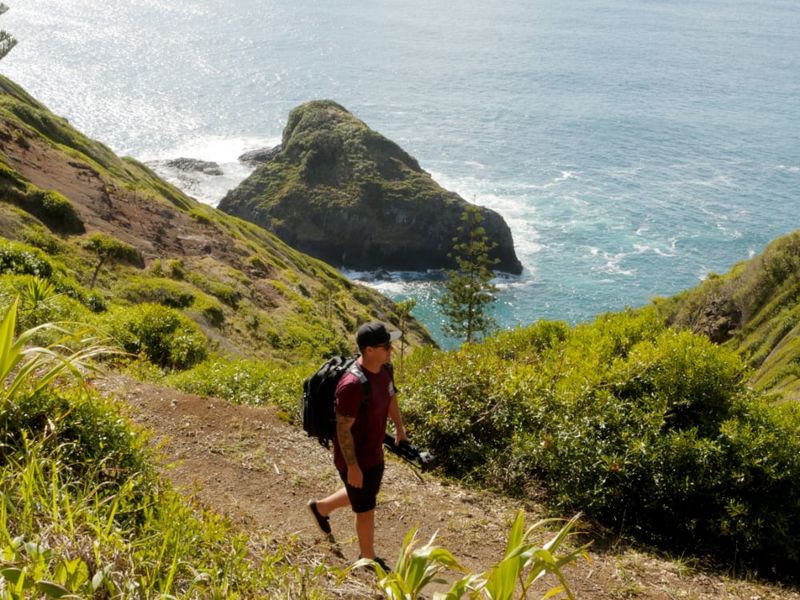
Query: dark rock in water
[(260, 156), (194, 165), (339, 191)]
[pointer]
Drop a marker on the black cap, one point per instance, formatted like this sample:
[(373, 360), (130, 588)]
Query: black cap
[(375, 334)]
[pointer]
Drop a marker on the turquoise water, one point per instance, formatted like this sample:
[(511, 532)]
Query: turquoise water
[(633, 146)]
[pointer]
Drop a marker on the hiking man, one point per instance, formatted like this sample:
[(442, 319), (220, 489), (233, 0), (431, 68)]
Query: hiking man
[(360, 429)]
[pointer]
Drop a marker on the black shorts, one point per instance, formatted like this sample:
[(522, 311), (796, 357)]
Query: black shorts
[(365, 498)]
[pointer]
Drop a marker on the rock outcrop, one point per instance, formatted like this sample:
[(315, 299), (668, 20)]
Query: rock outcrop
[(194, 165), (253, 158), (342, 192)]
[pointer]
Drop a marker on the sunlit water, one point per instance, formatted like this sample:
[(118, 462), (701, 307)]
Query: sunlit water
[(632, 146)]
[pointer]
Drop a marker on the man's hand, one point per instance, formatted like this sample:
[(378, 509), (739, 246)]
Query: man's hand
[(400, 436), (355, 477)]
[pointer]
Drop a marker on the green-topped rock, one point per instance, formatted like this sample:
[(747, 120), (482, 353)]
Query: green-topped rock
[(343, 193)]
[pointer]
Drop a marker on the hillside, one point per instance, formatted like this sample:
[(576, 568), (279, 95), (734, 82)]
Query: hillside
[(346, 194), (251, 294), (755, 310)]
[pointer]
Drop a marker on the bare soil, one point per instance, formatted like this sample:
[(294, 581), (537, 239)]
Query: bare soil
[(249, 465)]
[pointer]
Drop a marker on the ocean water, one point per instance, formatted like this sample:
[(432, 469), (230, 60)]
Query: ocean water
[(633, 146)]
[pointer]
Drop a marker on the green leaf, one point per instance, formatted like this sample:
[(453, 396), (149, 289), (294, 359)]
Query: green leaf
[(51, 589), (11, 574), (97, 580)]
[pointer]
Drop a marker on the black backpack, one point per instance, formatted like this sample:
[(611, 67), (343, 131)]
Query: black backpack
[(318, 403), (319, 397)]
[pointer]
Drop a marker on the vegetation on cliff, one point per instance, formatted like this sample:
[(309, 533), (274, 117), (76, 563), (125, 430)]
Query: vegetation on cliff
[(76, 207), (651, 431), (755, 310), (344, 193)]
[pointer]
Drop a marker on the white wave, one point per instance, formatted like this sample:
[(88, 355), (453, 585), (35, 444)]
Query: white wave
[(789, 169), (224, 151), (516, 211), (670, 253), (218, 149), (612, 264), (565, 175)]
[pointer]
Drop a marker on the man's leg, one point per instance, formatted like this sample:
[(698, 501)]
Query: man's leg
[(337, 499), (365, 529)]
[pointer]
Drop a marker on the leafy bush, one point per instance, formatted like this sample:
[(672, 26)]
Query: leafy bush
[(649, 430), (162, 334), (212, 311), (157, 291), (41, 302), (246, 382), (227, 293), (38, 237), (466, 409), (110, 248), (21, 259), (59, 209), (85, 427)]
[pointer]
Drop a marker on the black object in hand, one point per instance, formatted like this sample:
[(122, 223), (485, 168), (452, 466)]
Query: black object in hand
[(409, 452)]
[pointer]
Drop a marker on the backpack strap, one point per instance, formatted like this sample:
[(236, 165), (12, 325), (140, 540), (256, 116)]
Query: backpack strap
[(390, 367), (355, 369)]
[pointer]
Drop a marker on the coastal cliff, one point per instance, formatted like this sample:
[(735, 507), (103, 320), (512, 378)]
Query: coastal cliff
[(339, 191)]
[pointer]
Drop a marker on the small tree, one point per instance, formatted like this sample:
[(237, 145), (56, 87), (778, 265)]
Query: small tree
[(403, 311), (7, 41), (469, 291), (107, 248)]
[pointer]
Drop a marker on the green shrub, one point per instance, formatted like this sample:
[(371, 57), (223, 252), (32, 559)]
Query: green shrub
[(107, 247), (39, 237), (199, 216), (227, 293), (651, 431), (58, 209), (38, 309), (466, 410), (212, 311), (162, 334), (86, 427), (24, 260), (175, 269), (307, 339), (157, 291), (246, 382)]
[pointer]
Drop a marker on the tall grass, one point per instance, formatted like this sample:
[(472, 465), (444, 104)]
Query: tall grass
[(82, 512)]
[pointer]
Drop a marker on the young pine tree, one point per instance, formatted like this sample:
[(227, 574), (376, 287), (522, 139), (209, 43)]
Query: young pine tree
[(469, 293), (7, 41)]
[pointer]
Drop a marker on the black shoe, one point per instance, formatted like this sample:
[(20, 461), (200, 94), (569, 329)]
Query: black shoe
[(381, 563), (322, 522)]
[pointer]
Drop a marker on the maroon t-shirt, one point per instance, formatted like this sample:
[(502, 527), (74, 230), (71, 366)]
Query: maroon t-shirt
[(369, 427)]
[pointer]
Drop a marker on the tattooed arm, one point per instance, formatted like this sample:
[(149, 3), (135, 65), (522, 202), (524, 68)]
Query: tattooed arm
[(346, 444)]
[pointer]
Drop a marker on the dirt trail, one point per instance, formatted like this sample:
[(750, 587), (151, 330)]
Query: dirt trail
[(247, 464)]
